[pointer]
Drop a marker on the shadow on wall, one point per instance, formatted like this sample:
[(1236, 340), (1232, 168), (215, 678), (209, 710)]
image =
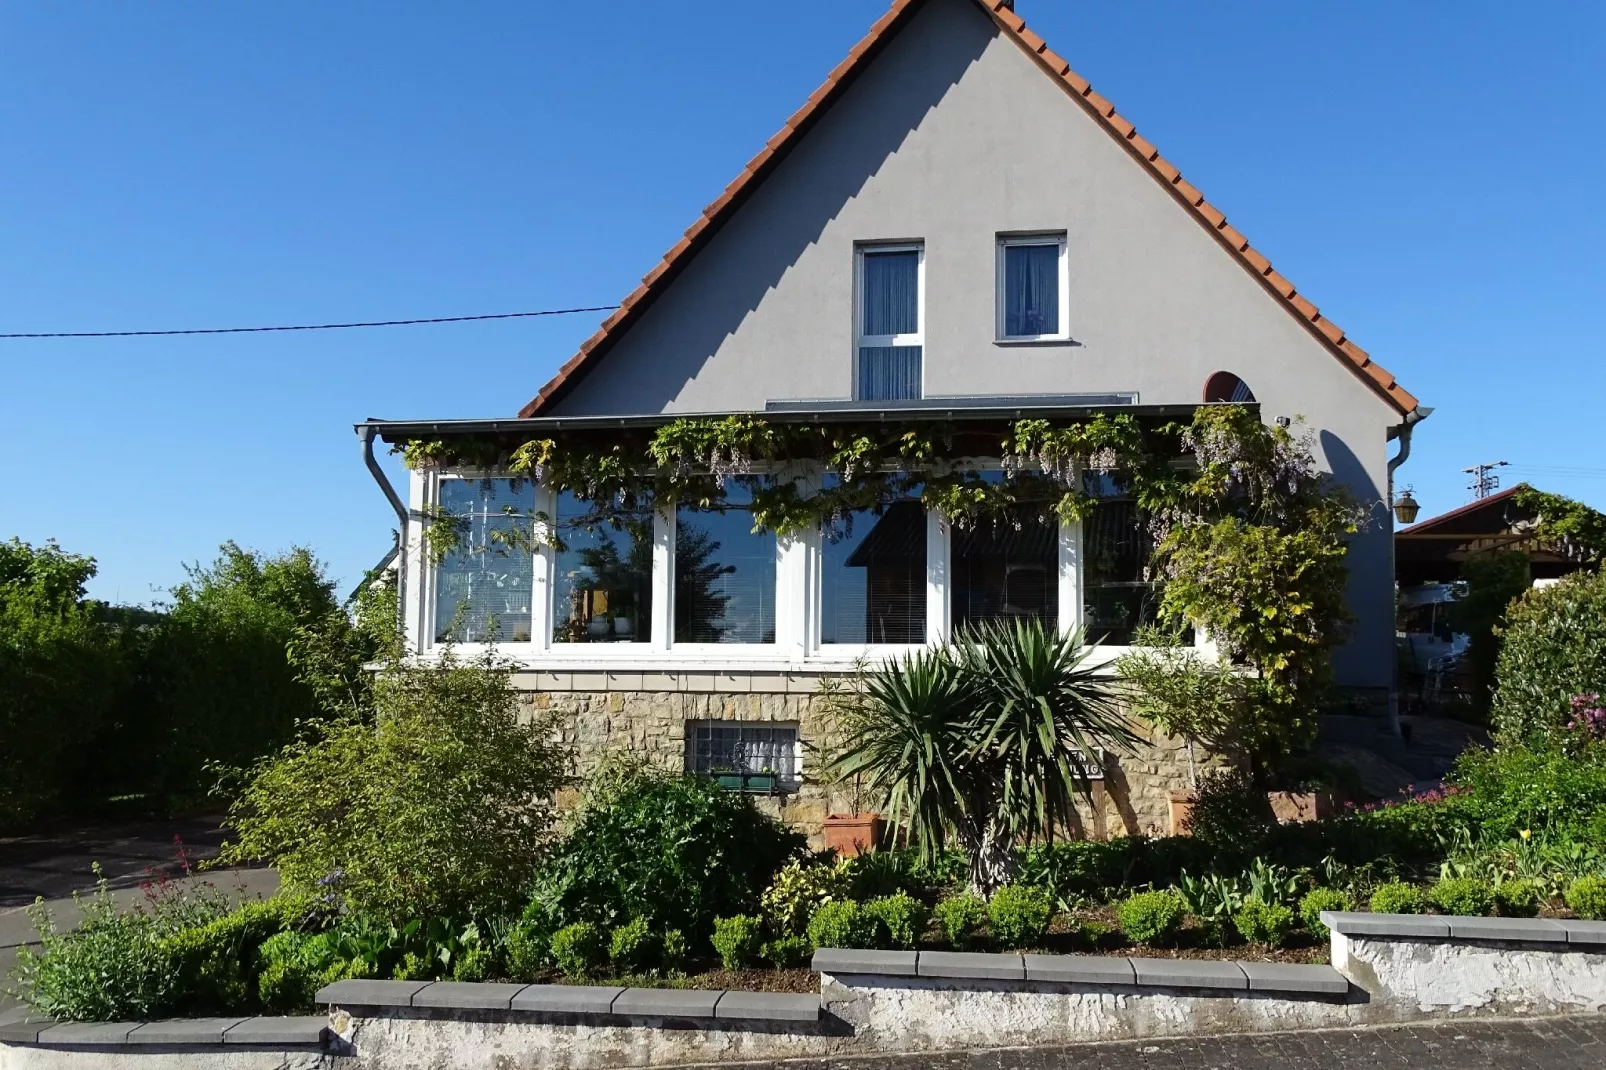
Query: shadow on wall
[(1367, 658), (678, 335)]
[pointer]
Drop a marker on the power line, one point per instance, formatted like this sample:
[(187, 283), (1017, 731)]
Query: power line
[(312, 326)]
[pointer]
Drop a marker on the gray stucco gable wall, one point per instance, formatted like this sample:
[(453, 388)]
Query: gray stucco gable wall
[(952, 136)]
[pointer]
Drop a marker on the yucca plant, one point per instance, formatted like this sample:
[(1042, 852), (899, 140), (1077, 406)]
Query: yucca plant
[(984, 743)]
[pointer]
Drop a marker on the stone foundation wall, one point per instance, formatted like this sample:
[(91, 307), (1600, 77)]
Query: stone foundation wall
[(647, 715)]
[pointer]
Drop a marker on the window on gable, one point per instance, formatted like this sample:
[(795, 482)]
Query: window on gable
[(1033, 288), (891, 339), (485, 586)]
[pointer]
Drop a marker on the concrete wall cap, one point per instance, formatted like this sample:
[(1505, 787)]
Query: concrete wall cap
[(1358, 923), (768, 1006), (1189, 973), (841, 960), (1292, 977), (184, 1031), (271, 1032), (364, 993), (667, 1002), (566, 999), (1584, 932), (1525, 930), (463, 995), (1081, 969), (967, 964), (96, 1034)]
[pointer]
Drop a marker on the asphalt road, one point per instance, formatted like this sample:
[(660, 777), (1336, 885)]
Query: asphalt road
[(1540, 1044)]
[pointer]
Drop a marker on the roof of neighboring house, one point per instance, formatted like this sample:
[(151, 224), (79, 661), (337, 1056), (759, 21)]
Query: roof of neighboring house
[(1485, 515), (1001, 11)]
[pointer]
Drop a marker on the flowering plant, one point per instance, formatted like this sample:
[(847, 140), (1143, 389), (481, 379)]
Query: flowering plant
[(1588, 716)]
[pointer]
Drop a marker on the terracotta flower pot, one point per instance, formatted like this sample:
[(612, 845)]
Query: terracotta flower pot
[(1181, 811), (851, 835)]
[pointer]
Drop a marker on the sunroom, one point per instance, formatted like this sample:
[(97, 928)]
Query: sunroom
[(801, 539)]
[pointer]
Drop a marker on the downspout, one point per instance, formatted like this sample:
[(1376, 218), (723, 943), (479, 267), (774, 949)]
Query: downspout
[(365, 433), (1402, 431)]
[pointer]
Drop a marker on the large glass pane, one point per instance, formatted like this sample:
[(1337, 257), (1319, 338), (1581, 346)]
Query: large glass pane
[(602, 581), (724, 574), (485, 586), (889, 373), (873, 576), (891, 300), (1117, 596), (1007, 569), (1031, 290)]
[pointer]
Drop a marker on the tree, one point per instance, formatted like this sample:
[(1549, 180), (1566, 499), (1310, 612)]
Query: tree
[(986, 743), (1493, 581)]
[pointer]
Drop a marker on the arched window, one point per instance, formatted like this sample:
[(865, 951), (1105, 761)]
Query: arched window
[(1225, 386)]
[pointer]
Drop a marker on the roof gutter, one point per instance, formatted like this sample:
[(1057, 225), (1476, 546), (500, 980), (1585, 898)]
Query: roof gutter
[(1402, 432), (365, 434)]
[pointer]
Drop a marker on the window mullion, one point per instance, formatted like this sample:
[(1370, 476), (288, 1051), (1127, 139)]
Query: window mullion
[(938, 574), (663, 576)]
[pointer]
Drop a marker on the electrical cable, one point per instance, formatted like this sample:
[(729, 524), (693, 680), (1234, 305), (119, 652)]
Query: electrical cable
[(311, 326)]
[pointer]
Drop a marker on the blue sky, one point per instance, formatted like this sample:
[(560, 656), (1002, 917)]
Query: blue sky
[(1429, 173)]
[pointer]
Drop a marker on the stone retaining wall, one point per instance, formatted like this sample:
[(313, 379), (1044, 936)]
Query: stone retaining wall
[(647, 713)]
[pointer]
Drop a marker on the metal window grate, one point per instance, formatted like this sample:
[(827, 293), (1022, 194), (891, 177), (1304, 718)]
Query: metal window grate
[(729, 746)]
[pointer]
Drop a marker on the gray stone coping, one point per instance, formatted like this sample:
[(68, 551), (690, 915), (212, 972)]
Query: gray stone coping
[(1286, 978), (307, 1032), (576, 999), (1561, 932)]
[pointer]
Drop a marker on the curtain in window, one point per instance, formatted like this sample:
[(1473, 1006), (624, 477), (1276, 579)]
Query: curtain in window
[(742, 748), (484, 588), (891, 293), (889, 373), (1031, 290)]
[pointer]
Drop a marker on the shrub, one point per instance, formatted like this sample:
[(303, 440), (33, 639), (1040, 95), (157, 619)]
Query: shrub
[(903, 916), (635, 948), (579, 950), (844, 923), (1517, 898), (1462, 895), (1019, 915), (472, 965), (526, 949), (1260, 922), (1396, 897), (1514, 788), (413, 966), (787, 952), (1317, 900), (440, 809), (1586, 897), (1152, 918), (675, 950), (1082, 869), (738, 940), (1554, 647), (1231, 813), (960, 917), (678, 850), (799, 889)]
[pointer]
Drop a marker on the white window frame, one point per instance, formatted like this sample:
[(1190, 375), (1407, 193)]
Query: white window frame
[(546, 588), (863, 341), (426, 494), (1007, 241)]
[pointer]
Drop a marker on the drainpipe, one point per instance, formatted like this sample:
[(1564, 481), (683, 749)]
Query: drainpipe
[(1402, 431), (365, 433)]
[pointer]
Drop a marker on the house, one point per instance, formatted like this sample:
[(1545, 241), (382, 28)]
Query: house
[(954, 229)]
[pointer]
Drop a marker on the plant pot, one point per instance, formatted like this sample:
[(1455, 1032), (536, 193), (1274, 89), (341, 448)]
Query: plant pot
[(1289, 806), (851, 835), (1182, 803)]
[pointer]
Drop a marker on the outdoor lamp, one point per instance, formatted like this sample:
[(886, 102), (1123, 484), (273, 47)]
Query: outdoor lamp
[(1406, 507)]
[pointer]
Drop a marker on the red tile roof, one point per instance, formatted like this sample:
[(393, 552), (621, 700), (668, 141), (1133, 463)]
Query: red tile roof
[(1013, 26)]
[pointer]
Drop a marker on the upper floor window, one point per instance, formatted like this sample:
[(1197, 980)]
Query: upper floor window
[(1033, 288), (891, 322), (602, 571), (485, 585), (724, 573)]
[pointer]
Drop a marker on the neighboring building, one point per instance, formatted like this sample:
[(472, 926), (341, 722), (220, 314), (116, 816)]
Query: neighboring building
[(956, 227)]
